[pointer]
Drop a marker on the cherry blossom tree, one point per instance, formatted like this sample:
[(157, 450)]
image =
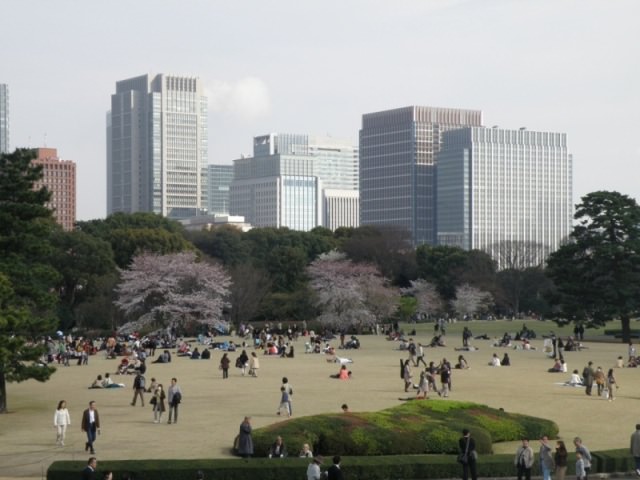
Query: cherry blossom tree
[(429, 301), (470, 300), (349, 294), (167, 290)]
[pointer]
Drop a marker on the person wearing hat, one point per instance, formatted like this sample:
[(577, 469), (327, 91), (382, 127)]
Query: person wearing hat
[(313, 470)]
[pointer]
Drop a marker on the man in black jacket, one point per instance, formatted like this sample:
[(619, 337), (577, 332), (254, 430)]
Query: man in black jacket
[(334, 472)]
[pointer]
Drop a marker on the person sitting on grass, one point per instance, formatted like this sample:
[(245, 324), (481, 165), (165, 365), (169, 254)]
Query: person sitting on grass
[(343, 373), (575, 380), (278, 448), (97, 383)]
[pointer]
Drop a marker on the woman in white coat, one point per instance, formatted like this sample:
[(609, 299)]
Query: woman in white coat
[(61, 420)]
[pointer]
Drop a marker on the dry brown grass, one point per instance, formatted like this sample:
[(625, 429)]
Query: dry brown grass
[(213, 408)]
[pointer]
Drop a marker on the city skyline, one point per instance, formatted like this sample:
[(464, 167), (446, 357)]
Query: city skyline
[(564, 66)]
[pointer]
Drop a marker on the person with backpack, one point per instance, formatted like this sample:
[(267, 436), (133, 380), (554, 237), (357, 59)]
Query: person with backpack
[(139, 384)]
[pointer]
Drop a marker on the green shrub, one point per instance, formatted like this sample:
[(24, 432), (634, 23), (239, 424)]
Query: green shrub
[(408, 467), (414, 427)]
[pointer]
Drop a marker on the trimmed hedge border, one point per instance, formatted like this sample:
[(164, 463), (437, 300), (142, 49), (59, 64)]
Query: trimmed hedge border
[(414, 467)]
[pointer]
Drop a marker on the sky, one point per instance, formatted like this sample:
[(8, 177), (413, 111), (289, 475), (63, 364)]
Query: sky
[(315, 66)]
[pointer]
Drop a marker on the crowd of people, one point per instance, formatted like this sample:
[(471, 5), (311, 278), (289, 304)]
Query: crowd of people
[(417, 375)]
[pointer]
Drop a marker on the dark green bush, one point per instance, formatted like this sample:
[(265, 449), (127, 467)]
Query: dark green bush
[(355, 468), (414, 427)]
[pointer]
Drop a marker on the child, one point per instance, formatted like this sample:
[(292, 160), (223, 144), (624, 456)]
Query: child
[(423, 387), (284, 401), (580, 471)]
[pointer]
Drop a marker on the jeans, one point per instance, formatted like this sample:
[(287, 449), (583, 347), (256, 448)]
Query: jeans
[(173, 409), (546, 473), (91, 435)]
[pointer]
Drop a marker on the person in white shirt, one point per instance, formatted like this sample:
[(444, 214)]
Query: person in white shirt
[(61, 420), (495, 361), (313, 470)]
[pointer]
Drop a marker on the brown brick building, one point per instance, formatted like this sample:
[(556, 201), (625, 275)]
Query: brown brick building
[(59, 176)]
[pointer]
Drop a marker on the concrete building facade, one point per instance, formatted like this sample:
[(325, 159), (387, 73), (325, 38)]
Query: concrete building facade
[(282, 185), (397, 166), (157, 146), (59, 176), (4, 118)]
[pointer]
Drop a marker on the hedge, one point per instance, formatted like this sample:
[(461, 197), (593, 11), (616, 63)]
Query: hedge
[(408, 467)]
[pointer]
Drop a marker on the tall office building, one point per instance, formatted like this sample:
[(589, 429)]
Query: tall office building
[(4, 118), (496, 186), (59, 176), (157, 146), (397, 166), (219, 178), (288, 179)]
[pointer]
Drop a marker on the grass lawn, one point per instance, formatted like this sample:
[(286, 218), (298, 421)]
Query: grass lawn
[(213, 408)]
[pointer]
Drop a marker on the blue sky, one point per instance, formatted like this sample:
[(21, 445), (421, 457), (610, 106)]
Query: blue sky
[(316, 66)]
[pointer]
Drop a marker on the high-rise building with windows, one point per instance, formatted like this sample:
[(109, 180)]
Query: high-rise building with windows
[(397, 166), (59, 176), (294, 181), (500, 187), (219, 178), (4, 118), (157, 146)]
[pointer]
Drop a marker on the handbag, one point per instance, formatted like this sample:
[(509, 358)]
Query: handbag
[(153, 401)]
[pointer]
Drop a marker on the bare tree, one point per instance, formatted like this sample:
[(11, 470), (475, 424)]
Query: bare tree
[(165, 290), (518, 254), (470, 300), (250, 286)]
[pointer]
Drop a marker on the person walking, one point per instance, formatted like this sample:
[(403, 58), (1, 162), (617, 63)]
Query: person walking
[(139, 384), (289, 389), (406, 375), (421, 355), (546, 459), (91, 425), (635, 448), (61, 420), (587, 377), (468, 455), (524, 460), (159, 406), (586, 455), (612, 384), (581, 474), (600, 380), (254, 364), (174, 397), (560, 459), (284, 402), (313, 470), (224, 365), (245, 441)]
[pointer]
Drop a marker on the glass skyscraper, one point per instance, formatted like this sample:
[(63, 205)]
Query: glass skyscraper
[(397, 166), (219, 178), (496, 185), (157, 146), (4, 118), (283, 184)]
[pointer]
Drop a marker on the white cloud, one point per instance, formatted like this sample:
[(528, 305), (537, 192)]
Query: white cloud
[(247, 98)]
